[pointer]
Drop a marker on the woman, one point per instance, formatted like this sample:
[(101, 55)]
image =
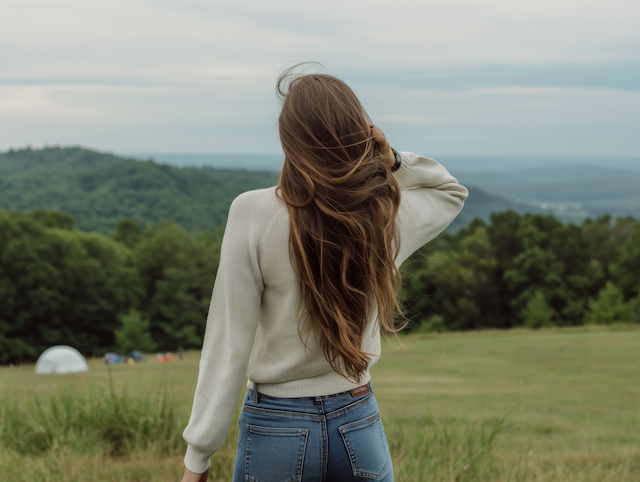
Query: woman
[(308, 280)]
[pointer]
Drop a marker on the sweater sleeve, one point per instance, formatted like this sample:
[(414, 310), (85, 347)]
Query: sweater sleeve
[(431, 200), (230, 330)]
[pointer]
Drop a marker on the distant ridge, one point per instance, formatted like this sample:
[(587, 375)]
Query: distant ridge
[(569, 187), (571, 192), (98, 189), (455, 163), (254, 162)]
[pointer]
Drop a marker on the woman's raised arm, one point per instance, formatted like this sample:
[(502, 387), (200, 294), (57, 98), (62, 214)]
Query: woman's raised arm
[(431, 200)]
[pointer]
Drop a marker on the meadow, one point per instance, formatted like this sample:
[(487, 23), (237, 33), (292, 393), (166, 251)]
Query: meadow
[(558, 404)]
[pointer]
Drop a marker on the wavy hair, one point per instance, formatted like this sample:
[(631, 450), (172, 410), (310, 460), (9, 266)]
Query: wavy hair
[(342, 200)]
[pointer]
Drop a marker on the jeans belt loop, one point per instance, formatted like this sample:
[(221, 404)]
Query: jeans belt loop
[(255, 393)]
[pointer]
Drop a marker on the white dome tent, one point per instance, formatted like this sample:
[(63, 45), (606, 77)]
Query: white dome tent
[(61, 359)]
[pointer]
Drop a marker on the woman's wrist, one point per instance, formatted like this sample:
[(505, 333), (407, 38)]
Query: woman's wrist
[(397, 160)]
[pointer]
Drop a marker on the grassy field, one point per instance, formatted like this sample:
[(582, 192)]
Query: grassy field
[(550, 405)]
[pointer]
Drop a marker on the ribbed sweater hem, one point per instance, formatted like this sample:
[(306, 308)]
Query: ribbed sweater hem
[(197, 461), (326, 384)]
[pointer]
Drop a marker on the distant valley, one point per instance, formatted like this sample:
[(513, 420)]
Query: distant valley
[(569, 192)]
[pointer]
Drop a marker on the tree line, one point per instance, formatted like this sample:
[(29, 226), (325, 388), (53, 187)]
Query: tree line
[(149, 288), (527, 270), (145, 289)]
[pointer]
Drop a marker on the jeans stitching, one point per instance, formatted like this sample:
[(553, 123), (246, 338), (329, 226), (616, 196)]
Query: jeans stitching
[(384, 444), (325, 450), (354, 463), (350, 407), (347, 445), (286, 413), (300, 464), (302, 449), (247, 455), (261, 430), (352, 458), (371, 419), (283, 413), (239, 430)]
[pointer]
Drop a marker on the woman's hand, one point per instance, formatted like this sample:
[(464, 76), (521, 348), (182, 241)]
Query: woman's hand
[(191, 477), (383, 145)]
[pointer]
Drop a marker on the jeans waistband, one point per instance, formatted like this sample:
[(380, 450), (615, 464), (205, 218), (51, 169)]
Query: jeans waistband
[(257, 395)]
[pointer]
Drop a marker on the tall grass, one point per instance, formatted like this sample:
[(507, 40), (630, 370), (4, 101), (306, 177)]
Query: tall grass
[(103, 432), (100, 420), (430, 448)]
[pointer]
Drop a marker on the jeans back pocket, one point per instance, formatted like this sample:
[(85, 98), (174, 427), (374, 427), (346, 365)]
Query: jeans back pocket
[(366, 445), (275, 454)]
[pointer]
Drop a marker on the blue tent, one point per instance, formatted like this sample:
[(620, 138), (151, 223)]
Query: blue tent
[(112, 358), (137, 355)]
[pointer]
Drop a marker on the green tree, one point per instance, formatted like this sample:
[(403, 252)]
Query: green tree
[(537, 313), (134, 334), (457, 284), (626, 270), (538, 267), (606, 236), (433, 324), (554, 259), (609, 307), (60, 286), (634, 307), (128, 232), (53, 219), (484, 275), (178, 271)]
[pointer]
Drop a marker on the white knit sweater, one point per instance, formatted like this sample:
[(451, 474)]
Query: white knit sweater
[(252, 326)]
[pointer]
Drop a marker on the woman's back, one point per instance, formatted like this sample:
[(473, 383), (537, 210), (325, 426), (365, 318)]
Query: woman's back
[(279, 361), (253, 325)]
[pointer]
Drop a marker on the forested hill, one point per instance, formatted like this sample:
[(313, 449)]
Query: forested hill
[(98, 189)]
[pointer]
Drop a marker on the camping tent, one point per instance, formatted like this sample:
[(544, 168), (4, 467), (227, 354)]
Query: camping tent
[(61, 359), (111, 358), (137, 355)]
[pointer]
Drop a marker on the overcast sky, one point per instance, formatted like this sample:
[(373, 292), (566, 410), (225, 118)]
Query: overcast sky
[(440, 77)]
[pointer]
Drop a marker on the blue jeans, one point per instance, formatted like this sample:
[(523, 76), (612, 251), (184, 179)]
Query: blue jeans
[(330, 438)]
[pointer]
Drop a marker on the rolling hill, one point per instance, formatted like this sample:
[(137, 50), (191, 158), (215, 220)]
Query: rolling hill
[(98, 189)]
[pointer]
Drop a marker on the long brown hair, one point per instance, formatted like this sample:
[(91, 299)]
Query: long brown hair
[(342, 200)]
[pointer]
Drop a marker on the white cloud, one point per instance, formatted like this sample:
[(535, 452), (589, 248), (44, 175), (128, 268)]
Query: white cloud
[(197, 75)]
